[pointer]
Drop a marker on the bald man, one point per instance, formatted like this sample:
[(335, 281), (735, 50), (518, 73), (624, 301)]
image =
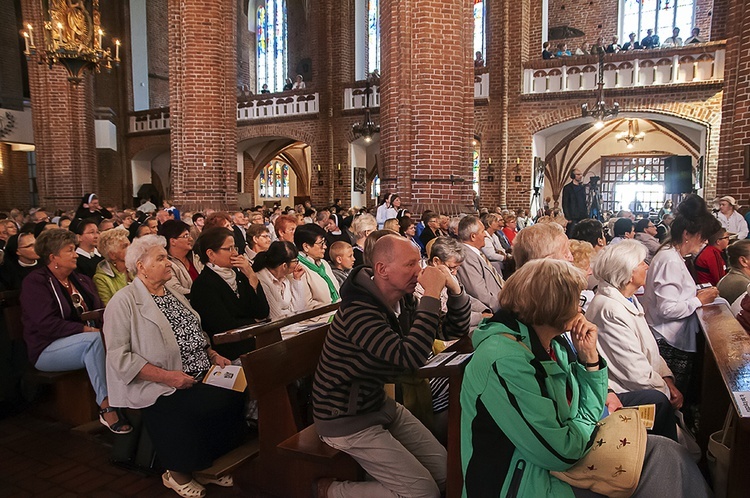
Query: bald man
[(380, 332)]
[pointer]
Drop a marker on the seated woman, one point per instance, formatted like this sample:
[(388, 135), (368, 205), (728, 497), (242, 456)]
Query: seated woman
[(156, 351), (625, 340), (530, 405), (186, 265), (89, 208), (407, 228), (493, 247), (582, 253), (111, 274), (227, 294), (710, 263), (322, 288), (258, 240), (19, 259), (362, 226), (53, 298), (734, 283)]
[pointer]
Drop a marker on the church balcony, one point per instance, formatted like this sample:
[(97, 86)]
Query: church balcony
[(249, 108), (695, 64)]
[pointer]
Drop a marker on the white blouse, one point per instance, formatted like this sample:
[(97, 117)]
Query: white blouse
[(670, 300), (285, 297), (734, 224)]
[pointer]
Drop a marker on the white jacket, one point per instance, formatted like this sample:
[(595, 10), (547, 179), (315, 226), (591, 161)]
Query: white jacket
[(734, 224), (670, 300), (627, 343)]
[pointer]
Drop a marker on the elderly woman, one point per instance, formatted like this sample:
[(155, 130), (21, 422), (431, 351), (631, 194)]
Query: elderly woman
[(156, 356), (710, 263), (227, 294), (530, 405), (493, 247), (625, 340), (670, 297), (53, 298), (321, 283), (258, 240), (582, 253), (111, 274), (362, 226), (186, 265), (734, 283), (281, 276), (408, 228), (730, 219)]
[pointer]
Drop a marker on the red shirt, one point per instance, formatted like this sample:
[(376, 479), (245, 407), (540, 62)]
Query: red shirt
[(510, 233), (710, 266)]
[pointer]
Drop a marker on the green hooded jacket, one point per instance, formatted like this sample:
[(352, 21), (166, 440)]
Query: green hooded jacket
[(516, 423)]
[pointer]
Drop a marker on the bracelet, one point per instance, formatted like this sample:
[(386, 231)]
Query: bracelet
[(598, 363)]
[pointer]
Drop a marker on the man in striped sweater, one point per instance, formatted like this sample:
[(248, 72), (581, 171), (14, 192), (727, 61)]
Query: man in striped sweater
[(380, 332)]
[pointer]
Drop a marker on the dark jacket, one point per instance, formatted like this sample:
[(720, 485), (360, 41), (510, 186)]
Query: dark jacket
[(87, 266), (240, 239), (367, 346), (426, 236), (47, 309), (574, 202), (221, 309), (11, 271), (83, 213)]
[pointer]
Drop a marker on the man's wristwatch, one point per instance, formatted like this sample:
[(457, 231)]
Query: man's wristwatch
[(598, 363)]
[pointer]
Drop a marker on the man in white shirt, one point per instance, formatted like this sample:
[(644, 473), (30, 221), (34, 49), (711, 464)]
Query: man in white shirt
[(730, 219), (674, 40)]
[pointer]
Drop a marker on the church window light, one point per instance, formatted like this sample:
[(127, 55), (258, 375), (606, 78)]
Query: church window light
[(475, 168), (480, 43), (373, 35), (274, 180), (272, 45), (638, 16)]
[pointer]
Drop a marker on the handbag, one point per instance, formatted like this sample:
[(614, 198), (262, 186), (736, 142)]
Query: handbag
[(718, 454), (613, 465)]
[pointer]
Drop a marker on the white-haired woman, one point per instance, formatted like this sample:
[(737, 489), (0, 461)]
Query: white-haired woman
[(362, 226), (625, 340), (156, 352), (111, 274)]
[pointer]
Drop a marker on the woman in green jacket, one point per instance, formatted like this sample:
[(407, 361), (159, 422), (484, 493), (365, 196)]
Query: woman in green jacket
[(111, 274), (530, 403)]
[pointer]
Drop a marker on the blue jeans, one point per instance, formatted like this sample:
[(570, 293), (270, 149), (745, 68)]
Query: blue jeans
[(84, 350)]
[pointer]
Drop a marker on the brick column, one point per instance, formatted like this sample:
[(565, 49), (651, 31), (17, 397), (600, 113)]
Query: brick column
[(203, 103), (427, 96), (63, 120)]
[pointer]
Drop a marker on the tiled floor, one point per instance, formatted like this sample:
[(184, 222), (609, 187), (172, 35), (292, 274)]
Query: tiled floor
[(40, 458)]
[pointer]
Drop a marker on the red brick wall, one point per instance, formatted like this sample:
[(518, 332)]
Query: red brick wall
[(158, 53), (203, 103), (594, 17)]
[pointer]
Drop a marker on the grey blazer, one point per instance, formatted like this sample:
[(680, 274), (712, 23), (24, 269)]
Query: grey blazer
[(136, 333), (476, 277)]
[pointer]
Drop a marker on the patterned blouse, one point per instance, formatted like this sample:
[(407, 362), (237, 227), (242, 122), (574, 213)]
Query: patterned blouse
[(187, 331)]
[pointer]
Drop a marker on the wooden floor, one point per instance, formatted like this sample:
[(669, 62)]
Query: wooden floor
[(41, 458)]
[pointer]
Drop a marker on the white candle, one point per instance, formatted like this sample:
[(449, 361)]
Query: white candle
[(117, 50), (31, 34), (59, 32), (100, 37), (26, 40)]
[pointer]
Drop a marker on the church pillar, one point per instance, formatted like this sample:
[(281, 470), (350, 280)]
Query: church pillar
[(427, 100), (63, 121), (203, 103)]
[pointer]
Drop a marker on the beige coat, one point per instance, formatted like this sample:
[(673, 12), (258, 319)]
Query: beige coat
[(181, 282), (136, 333)]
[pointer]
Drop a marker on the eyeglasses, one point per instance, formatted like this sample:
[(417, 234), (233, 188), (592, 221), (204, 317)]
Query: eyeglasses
[(293, 262), (321, 243), (265, 235), (230, 249), (77, 303), (185, 236), (720, 238)]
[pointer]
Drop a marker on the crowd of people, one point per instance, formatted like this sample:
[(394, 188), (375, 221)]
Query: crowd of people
[(650, 42), (553, 306)]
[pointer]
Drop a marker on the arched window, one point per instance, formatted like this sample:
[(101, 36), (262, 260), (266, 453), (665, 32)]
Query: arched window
[(274, 180), (480, 43), (373, 35), (475, 166), (637, 16), (375, 193), (366, 37), (272, 45)]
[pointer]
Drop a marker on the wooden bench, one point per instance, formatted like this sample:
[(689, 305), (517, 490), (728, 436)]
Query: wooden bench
[(74, 399), (291, 457), (725, 375)]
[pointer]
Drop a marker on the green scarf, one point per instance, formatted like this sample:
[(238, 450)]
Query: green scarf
[(320, 270)]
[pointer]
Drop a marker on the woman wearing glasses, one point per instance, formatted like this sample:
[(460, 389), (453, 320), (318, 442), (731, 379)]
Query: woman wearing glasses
[(156, 355), (227, 294), (281, 276), (53, 298), (322, 286), (185, 264), (711, 263)]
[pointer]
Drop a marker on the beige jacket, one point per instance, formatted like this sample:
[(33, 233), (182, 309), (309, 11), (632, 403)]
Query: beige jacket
[(136, 333), (318, 293), (181, 282)]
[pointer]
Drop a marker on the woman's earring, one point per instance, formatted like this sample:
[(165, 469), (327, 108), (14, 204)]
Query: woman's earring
[(56, 266)]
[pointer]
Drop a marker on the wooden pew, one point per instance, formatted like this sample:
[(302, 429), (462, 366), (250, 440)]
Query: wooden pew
[(74, 399), (726, 371), (290, 457), (455, 373)]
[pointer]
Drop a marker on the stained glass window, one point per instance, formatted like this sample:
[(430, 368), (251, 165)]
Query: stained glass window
[(375, 187), (274, 180), (475, 168), (638, 16), (373, 35), (272, 45), (479, 38)]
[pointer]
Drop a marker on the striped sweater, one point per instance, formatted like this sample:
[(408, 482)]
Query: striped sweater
[(368, 345)]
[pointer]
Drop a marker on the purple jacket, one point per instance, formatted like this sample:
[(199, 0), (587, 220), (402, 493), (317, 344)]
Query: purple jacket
[(47, 309)]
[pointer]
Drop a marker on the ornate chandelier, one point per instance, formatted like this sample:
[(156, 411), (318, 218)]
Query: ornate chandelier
[(632, 135), (600, 111), (72, 37), (367, 128)]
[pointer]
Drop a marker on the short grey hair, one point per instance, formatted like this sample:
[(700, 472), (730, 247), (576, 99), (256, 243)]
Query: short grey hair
[(112, 240), (446, 248), (615, 264), (538, 241), (364, 223), (453, 225), (140, 248), (467, 227)]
